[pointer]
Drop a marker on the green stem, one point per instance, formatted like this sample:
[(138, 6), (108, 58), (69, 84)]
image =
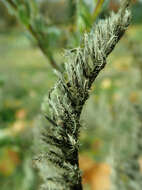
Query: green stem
[(97, 9), (30, 28)]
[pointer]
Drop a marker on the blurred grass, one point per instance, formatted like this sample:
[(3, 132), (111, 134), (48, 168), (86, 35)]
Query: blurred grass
[(25, 77), (25, 73)]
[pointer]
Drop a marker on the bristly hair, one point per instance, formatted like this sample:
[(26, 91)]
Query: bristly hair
[(59, 165)]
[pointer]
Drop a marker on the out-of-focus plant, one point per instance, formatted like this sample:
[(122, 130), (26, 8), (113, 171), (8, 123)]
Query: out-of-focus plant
[(28, 14), (127, 166), (6, 20), (97, 9), (71, 86), (15, 150), (44, 30)]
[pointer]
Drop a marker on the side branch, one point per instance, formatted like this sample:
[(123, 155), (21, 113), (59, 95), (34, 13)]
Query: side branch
[(24, 11)]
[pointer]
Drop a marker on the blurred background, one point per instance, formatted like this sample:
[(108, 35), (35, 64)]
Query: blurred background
[(111, 120)]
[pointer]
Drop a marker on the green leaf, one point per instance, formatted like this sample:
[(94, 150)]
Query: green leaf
[(84, 17), (24, 14)]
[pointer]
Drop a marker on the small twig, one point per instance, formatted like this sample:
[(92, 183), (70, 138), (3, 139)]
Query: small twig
[(97, 9), (30, 28)]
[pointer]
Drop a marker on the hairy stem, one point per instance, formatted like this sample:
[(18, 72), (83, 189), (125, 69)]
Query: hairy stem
[(67, 98)]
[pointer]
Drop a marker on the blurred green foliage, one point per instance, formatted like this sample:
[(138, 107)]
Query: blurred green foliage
[(25, 76)]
